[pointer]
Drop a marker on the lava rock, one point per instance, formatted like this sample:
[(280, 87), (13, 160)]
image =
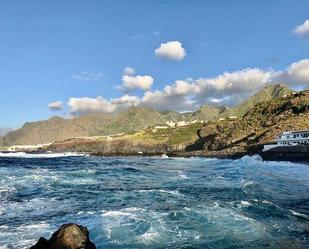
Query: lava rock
[(68, 236)]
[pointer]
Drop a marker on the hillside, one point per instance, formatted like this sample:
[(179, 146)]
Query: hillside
[(57, 128), (260, 125), (207, 112), (270, 92), (132, 119), (267, 93)]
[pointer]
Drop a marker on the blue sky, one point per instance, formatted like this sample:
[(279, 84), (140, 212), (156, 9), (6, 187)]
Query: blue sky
[(57, 50)]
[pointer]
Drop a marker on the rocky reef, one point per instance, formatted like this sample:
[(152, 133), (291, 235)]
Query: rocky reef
[(68, 236)]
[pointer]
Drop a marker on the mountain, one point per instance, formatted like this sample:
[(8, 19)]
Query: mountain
[(218, 138), (267, 93), (4, 131), (53, 129), (132, 119), (207, 112), (57, 128), (260, 125)]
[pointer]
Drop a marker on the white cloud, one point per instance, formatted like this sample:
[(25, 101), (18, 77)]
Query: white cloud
[(303, 29), (228, 88), (130, 82), (125, 101), (298, 73), (55, 106), (128, 71), (85, 105), (171, 50), (87, 76)]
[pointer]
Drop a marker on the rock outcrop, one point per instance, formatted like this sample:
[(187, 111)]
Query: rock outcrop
[(68, 236)]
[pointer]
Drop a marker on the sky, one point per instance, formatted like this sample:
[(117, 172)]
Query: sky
[(74, 57)]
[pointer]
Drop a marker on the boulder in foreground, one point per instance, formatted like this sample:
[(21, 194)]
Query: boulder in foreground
[(68, 236)]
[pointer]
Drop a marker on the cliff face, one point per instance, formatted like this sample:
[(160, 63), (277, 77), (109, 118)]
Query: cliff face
[(261, 124)]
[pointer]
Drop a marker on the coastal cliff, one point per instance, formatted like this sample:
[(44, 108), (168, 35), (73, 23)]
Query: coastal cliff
[(224, 138), (228, 137), (131, 120)]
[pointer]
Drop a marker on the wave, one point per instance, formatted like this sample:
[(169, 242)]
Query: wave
[(41, 155)]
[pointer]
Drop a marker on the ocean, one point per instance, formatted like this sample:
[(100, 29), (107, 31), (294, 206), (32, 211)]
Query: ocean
[(153, 202)]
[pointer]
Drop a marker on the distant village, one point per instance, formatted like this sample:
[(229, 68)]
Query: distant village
[(171, 124)]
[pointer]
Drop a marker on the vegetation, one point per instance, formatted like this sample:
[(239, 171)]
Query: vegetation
[(132, 120)]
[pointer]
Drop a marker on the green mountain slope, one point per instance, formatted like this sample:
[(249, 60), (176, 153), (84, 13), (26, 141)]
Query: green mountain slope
[(132, 119), (207, 112), (267, 93)]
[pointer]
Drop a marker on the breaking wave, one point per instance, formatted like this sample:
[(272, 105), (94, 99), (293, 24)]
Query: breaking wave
[(39, 155)]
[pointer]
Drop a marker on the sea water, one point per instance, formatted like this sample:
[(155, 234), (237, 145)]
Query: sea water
[(153, 202)]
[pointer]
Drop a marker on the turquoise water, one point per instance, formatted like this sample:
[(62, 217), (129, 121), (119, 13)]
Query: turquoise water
[(148, 202)]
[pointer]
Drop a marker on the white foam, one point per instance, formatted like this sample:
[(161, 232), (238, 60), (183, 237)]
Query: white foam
[(298, 214), (149, 237), (252, 158), (7, 189), (245, 204), (182, 175), (115, 214), (41, 155), (267, 202), (42, 225)]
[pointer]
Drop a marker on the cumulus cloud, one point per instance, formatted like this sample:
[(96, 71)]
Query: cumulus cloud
[(87, 76), (303, 29), (55, 106), (128, 71), (86, 105), (172, 50), (130, 81), (136, 82), (229, 88), (297, 74)]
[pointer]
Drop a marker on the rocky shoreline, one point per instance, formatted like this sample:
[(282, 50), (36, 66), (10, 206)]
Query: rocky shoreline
[(296, 157)]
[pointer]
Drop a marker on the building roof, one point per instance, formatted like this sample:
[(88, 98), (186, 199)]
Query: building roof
[(292, 132)]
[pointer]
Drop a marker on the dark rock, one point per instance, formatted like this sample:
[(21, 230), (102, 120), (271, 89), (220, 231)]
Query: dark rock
[(68, 236)]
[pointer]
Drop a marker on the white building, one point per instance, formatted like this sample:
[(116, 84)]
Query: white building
[(181, 123), (170, 123), (290, 138), (293, 138), (233, 117), (161, 127)]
